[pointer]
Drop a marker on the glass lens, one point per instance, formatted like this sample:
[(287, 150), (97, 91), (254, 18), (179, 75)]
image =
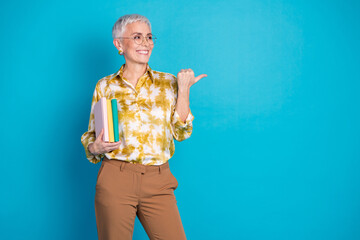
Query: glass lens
[(150, 39), (139, 39)]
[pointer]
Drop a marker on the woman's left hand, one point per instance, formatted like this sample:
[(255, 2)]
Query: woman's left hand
[(186, 78)]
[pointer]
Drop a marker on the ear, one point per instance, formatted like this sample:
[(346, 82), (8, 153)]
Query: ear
[(117, 44)]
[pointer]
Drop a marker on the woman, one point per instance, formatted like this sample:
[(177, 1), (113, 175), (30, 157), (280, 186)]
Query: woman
[(134, 177)]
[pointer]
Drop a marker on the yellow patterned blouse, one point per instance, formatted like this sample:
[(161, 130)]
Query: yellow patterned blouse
[(148, 122)]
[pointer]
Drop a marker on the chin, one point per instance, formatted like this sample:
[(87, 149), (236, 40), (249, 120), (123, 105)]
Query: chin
[(138, 60), (143, 61)]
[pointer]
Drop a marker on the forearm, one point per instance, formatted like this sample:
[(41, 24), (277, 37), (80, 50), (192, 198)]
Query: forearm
[(185, 79), (182, 103)]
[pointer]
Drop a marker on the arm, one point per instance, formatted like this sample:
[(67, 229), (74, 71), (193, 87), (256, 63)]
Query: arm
[(94, 147), (185, 79), (182, 104), (182, 117)]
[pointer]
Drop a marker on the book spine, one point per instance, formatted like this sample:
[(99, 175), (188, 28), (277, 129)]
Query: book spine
[(97, 119), (105, 120), (115, 119), (110, 120)]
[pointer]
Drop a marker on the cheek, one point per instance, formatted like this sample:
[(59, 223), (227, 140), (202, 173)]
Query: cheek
[(151, 49), (129, 47)]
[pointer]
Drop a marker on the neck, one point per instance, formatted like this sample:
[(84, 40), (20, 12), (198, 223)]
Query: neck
[(132, 72)]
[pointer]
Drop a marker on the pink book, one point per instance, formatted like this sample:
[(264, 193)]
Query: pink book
[(101, 121)]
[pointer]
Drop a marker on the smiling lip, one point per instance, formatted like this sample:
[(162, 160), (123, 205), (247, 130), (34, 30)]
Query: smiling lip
[(143, 52)]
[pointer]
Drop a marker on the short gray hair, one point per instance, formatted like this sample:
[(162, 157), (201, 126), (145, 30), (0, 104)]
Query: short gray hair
[(120, 24)]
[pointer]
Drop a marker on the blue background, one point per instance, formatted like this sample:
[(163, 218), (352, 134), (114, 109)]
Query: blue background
[(276, 143)]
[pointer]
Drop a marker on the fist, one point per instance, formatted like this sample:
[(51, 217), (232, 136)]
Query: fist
[(186, 78), (99, 146)]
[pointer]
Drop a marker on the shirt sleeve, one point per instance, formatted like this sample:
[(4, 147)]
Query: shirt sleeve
[(181, 130), (90, 136)]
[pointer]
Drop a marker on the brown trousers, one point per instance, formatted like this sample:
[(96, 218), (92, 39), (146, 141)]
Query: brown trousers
[(125, 190)]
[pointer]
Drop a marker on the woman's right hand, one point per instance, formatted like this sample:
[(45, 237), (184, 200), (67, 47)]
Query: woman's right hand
[(99, 146)]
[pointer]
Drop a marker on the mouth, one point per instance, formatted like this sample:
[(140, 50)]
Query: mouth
[(143, 52)]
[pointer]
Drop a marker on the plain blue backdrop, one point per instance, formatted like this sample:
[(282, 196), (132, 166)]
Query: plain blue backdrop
[(275, 151)]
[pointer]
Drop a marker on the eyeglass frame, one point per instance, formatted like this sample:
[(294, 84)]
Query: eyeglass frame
[(133, 38)]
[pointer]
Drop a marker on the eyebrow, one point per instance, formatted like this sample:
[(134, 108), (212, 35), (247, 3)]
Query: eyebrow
[(140, 33)]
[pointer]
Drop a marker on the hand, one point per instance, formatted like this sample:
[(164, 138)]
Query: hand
[(186, 79), (99, 146)]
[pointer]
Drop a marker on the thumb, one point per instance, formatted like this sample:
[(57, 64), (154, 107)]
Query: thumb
[(199, 77), (99, 138)]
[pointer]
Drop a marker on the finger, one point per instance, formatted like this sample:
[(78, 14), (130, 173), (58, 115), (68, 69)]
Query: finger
[(100, 135), (199, 77), (114, 148), (112, 144), (109, 148)]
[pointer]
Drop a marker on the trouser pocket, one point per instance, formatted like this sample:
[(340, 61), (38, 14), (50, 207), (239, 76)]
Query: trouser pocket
[(175, 182), (100, 171)]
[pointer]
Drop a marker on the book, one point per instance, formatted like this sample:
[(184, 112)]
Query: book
[(101, 120), (115, 119), (110, 120)]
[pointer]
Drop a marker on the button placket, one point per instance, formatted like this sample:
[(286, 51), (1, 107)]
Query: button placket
[(138, 117)]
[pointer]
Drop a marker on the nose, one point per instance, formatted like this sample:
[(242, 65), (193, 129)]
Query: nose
[(144, 42)]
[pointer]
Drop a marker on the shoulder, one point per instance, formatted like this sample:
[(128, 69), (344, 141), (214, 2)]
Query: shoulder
[(163, 77), (103, 82), (106, 79), (102, 85)]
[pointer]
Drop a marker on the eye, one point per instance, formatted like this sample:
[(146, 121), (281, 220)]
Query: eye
[(137, 37), (149, 37)]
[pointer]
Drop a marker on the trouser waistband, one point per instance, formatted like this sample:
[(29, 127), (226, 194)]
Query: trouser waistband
[(136, 167)]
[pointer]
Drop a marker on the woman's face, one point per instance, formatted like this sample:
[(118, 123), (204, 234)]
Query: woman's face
[(133, 52)]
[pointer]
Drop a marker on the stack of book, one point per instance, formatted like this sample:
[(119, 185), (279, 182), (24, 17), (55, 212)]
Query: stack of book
[(106, 117)]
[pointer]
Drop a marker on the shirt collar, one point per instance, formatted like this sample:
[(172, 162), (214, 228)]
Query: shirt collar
[(148, 70)]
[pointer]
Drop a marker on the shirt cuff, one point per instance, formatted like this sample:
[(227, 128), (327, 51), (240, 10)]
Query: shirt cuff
[(92, 158), (178, 122)]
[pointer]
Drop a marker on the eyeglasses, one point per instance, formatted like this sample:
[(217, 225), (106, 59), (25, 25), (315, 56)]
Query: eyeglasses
[(139, 39)]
